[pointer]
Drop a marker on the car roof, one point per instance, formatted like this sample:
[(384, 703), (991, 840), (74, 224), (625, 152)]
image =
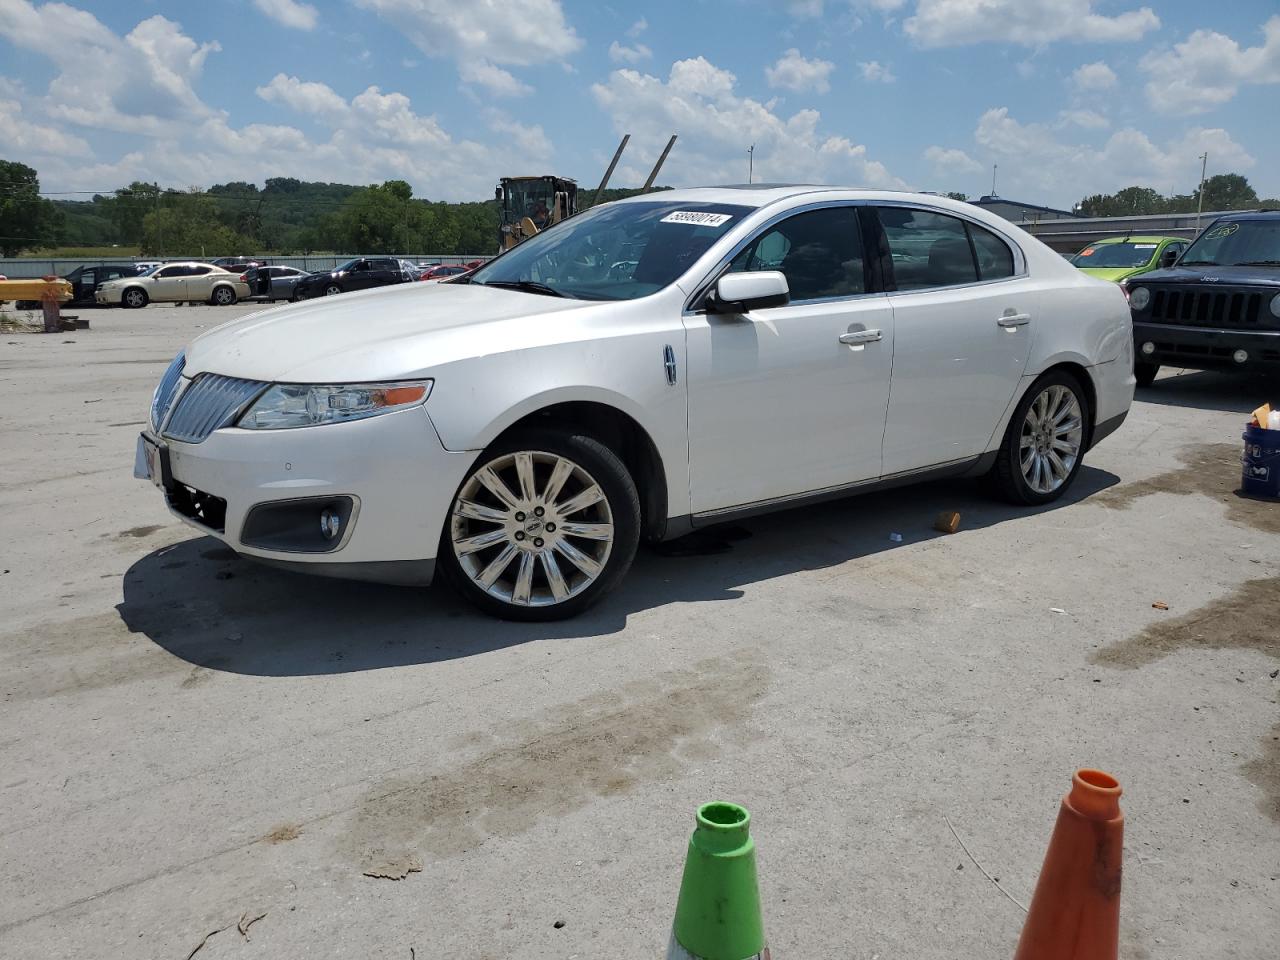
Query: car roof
[(759, 195), (1252, 215), (1143, 238)]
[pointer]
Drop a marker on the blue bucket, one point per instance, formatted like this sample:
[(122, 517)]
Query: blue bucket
[(1260, 476)]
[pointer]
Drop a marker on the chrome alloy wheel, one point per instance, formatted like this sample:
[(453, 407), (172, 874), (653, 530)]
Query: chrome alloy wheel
[(1052, 435), (532, 528)]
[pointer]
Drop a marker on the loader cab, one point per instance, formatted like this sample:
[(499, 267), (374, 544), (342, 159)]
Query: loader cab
[(530, 204)]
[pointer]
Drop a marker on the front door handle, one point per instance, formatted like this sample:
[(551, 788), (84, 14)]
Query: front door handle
[(861, 336), (1014, 320)]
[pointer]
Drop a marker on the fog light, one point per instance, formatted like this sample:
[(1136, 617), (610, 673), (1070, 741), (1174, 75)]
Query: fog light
[(1148, 348), (330, 524), (1240, 356)]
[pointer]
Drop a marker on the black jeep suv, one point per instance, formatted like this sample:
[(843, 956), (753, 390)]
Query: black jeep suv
[(1218, 306)]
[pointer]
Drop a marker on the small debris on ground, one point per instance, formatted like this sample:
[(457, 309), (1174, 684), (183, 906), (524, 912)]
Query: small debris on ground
[(948, 521), (1058, 610), (395, 869), (1160, 605), (559, 924), (247, 921), (283, 833)]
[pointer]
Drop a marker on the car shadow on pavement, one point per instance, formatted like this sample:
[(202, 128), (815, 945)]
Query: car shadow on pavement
[(201, 602), (1212, 390)]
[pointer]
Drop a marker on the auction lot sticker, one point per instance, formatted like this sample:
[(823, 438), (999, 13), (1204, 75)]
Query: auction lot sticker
[(696, 219)]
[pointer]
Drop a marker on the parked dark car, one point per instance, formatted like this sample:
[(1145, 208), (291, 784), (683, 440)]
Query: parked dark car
[(84, 282), (1218, 306), (273, 283), (237, 264), (361, 273)]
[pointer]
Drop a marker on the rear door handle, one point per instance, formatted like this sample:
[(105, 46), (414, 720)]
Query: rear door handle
[(861, 336), (1014, 320)]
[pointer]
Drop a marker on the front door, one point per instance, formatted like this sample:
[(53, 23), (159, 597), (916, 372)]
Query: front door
[(790, 400), (169, 283), (963, 320)]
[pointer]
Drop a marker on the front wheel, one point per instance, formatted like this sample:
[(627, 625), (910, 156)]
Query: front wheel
[(542, 527), (135, 298), (224, 297), (332, 290), (1044, 444), (1145, 373)]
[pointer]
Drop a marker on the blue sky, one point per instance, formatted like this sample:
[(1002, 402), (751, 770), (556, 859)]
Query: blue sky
[(1069, 97)]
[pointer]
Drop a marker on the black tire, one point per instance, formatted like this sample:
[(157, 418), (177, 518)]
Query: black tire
[(332, 290), (600, 465), (137, 295), (223, 296), (1007, 474), (1145, 373)]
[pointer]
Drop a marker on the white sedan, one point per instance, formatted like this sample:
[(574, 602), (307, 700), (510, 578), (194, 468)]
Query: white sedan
[(179, 282), (646, 368)]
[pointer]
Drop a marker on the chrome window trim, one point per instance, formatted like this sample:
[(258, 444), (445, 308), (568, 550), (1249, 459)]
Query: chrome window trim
[(704, 285)]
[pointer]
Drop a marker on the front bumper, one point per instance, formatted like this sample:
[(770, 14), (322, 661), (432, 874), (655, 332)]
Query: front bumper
[(392, 466), (1206, 348)]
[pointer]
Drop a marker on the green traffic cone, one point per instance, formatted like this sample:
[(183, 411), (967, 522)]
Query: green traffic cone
[(718, 913)]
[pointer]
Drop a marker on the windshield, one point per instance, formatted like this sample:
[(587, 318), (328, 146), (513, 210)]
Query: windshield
[(616, 251), (1116, 255), (1236, 242), (150, 270)]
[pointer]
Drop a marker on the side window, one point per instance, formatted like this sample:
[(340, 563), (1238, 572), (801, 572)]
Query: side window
[(995, 259), (168, 272), (928, 249), (819, 252), (87, 278), (198, 271)]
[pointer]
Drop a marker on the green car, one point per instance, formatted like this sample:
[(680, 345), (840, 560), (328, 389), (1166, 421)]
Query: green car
[(1119, 258)]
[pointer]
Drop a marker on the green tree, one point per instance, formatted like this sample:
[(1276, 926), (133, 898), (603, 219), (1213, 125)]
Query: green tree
[(187, 224), (953, 195), (1228, 191), (1130, 202), (131, 206), (26, 219)]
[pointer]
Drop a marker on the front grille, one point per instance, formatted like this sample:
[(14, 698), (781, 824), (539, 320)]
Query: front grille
[(1208, 307), (212, 401), (166, 390)]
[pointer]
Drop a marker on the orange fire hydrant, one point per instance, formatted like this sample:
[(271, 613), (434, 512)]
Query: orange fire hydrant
[(49, 304)]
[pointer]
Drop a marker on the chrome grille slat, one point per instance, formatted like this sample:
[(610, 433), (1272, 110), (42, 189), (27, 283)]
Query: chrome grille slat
[(211, 402), (166, 390)]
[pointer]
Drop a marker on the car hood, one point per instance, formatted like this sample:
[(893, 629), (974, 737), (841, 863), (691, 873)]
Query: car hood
[(383, 334), (1114, 274), (1242, 276)]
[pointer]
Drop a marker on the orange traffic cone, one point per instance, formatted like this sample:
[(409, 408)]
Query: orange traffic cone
[(1075, 913)]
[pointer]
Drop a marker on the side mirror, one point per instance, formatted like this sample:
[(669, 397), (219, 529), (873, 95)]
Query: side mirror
[(497, 194), (1169, 257), (743, 292)]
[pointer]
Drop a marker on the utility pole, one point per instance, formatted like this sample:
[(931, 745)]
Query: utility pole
[(751, 157), (1204, 166)]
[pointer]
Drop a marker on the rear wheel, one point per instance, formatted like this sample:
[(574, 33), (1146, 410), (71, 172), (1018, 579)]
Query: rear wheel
[(135, 298), (224, 296), (1145, 373), (1043, 446), (542, 527)]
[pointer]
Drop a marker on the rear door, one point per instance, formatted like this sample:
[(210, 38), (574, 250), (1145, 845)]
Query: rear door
[(200, 282), (963, 314)]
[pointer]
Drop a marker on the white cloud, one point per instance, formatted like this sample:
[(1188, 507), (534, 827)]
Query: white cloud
[(530, 140), (949, 23), (497, 81), (290, 13), (1037, 166), (950, 161), (1086, 119), (637, 28), (140, 83), (805, 9), (301, 96), (1093, 76), (24, 135), (699, 100), (516, 33), (794, 72), (1207, 69), (622, 54), (876, 72)]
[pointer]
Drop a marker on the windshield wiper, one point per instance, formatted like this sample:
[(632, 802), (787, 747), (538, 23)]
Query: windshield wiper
[(526, 286), (1199, 263), (1257, 263)]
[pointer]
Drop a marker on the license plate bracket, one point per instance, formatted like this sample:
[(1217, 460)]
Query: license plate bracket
[(156, 454)]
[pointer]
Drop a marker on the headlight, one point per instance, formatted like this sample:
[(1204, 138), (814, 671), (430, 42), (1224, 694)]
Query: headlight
[(1139, 297), (289, 405), (1275, 305)]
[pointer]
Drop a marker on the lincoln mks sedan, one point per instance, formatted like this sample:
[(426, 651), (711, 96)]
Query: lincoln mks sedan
[(648, 367)]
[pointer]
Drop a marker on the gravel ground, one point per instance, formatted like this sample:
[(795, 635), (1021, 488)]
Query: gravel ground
[(187, 739)]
